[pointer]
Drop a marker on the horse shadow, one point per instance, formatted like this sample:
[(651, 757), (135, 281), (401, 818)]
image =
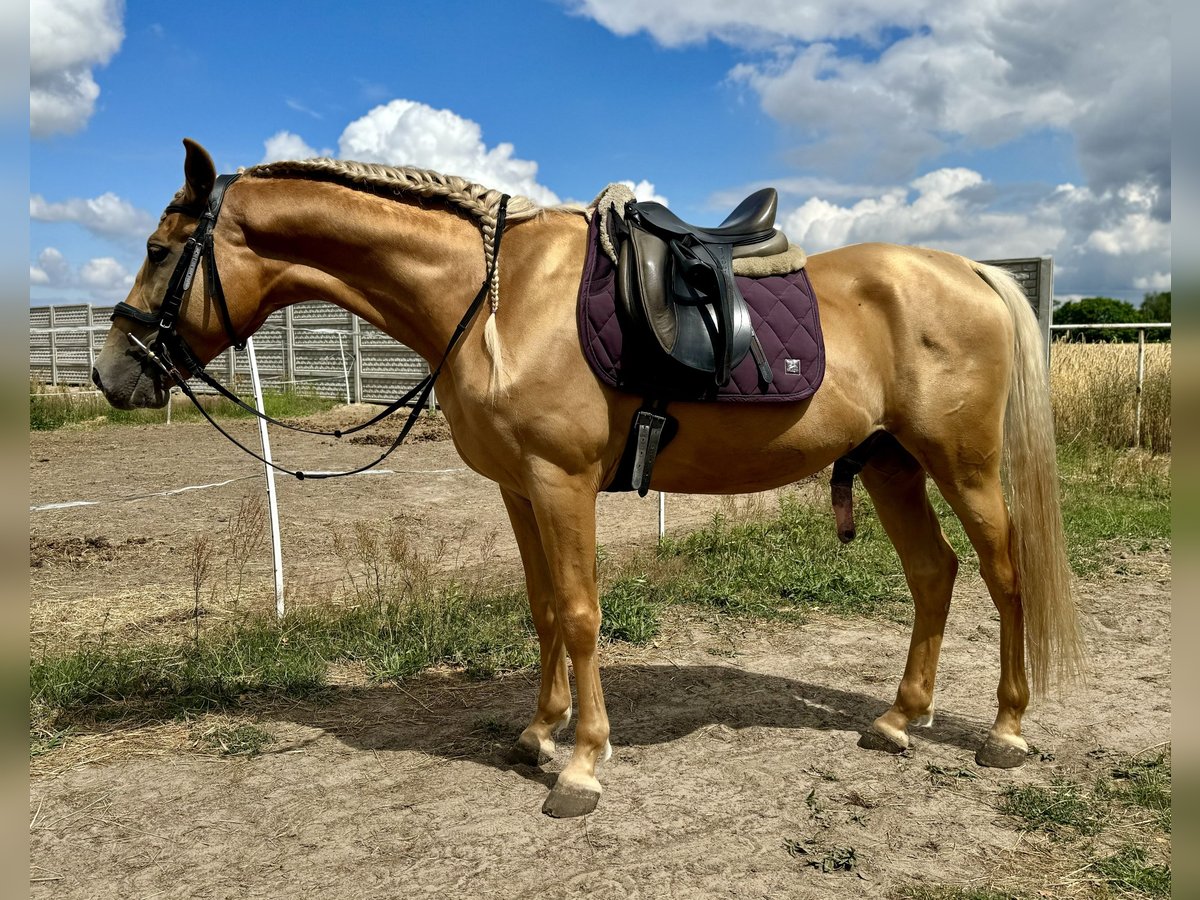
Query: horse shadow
[(454, 717)]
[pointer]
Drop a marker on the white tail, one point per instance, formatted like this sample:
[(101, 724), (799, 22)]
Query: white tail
[(1053, 641)]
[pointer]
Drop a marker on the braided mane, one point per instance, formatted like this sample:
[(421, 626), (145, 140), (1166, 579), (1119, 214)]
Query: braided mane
[(479, 202)]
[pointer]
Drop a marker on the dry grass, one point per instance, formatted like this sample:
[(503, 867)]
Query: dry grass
[(1093, 389)]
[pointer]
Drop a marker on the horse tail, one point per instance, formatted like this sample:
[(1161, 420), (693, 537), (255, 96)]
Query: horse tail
[(1053, 639)]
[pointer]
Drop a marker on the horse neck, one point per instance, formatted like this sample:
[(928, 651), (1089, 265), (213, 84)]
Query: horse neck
[(407, 270)]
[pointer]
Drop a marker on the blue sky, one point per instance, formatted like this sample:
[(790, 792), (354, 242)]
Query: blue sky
[(994, 131)]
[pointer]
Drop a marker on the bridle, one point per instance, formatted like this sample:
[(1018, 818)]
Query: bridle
[(170, 352)]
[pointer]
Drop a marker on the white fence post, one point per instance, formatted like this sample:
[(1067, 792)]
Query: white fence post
[(289, 348), (272, 506), (53, 348), (356, 349), (1141, 377)]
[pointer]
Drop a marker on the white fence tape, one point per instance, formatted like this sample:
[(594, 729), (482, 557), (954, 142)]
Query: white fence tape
[(69, 504)]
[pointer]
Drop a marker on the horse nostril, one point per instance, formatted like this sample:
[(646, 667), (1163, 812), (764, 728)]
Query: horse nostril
[(96, 378)]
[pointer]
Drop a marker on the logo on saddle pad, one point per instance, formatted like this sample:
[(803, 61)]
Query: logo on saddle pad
[(791, 366)]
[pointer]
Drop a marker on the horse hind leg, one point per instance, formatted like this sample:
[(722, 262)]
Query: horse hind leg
[(977, 497), (896, 484), (536, 745)]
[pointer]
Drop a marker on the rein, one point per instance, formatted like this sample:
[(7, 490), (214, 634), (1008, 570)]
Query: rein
[(168, 350)]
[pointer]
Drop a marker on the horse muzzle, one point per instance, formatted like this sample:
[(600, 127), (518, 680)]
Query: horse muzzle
[(129, 381)]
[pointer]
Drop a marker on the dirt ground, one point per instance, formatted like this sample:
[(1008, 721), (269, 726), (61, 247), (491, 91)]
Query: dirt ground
[(732, 743)]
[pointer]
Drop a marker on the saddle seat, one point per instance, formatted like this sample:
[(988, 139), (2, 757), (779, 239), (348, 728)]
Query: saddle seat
[(675, 282), (749, 229)]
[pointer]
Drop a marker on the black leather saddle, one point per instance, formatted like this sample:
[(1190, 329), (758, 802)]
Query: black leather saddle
[(675, 282)]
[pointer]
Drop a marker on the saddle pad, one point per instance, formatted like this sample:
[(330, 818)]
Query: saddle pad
[(783, 310)]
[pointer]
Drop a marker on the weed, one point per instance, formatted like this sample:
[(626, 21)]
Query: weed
[(941, 776), (199, 562), (237, 740), (629, 611), (1059, 810), (1127, 870), (831, 859), (246, 535)]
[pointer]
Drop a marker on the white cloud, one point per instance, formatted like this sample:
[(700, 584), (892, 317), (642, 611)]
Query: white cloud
[(67, 40), (103, 277), (107, 216), (751, 22), (644, 190), (1101, 243), (407, 133), (105, 274), (52, 269), (1159, 281), (953, 74), (286, 145)]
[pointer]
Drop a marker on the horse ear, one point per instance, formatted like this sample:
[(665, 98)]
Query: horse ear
[(199, 172)]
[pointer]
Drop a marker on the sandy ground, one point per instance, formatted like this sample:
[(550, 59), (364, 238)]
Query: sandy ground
[(730, 741)]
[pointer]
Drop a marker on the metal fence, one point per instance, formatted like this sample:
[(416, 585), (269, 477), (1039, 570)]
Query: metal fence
[(312, 346), (320, 348)]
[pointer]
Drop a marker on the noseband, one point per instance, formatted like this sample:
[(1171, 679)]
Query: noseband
[(168, 351)]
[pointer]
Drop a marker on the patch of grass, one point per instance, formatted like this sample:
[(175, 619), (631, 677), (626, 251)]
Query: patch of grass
[(1144, 784), (51, 408), (629, 611), (1128, 872), (1062, 810), (782, 567), (1112, 496), (237, 740)]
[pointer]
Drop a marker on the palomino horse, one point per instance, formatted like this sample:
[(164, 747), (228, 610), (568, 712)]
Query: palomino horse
[(940, 352)]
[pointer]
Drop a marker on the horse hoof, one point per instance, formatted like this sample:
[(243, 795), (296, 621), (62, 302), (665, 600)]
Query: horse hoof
[(530, 751), (875, 739), (1002, 753), (569, 800)]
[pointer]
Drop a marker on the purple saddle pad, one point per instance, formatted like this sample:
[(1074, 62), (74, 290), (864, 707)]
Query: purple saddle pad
[(783, 310)]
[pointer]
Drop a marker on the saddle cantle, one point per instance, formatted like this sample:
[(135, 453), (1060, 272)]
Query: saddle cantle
[(675, 281)]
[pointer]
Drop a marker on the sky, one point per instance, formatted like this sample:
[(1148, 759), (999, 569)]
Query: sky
[(992, 128)]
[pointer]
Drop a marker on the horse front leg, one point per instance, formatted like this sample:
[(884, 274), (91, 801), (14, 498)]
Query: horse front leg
[(535, 746), (565, 509)]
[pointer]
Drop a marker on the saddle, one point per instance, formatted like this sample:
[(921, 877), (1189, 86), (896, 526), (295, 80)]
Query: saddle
[(675, 283)]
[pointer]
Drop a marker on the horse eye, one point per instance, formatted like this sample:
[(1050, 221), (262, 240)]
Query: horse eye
[(157, 252)]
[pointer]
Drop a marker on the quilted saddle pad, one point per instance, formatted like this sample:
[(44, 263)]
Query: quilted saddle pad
[(783, 310)]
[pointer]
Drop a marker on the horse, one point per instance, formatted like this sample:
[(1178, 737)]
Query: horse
[(937, 352)]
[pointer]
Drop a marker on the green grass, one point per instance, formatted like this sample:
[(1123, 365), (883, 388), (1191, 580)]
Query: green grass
[(50, 409), (1115, 803), (1064, 809), (1142, 783), (778, 568)]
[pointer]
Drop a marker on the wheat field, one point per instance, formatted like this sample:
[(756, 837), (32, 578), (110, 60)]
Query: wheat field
[(1093, 389)]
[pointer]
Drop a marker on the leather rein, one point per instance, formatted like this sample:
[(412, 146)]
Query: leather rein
[(169, 350)]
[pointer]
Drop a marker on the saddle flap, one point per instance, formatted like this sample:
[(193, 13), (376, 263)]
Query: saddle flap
[(643, 285)]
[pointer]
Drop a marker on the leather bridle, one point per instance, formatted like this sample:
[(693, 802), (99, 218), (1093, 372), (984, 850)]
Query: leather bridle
[(171, 354)]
